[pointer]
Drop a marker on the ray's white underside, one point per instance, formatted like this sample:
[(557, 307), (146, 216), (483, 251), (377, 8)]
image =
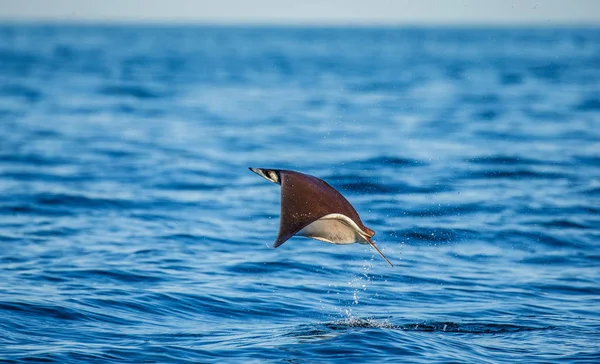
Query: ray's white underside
[(335, 229)]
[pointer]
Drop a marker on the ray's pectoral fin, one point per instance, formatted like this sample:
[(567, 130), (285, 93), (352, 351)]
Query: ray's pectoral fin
[(368, 239), (278, 242), (286, 231)]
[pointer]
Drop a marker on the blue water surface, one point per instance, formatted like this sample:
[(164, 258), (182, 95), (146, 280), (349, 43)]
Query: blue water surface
[(131, 229)]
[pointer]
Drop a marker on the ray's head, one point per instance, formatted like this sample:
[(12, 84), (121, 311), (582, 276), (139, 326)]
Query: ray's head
[(269, 174)]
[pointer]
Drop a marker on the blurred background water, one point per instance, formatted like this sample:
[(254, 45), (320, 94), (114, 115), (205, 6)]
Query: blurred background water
[(132, 230)]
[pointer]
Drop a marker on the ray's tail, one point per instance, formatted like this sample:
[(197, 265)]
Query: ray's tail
[(378, 251)]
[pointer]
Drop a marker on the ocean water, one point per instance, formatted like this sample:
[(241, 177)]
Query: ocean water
[(131, 229)]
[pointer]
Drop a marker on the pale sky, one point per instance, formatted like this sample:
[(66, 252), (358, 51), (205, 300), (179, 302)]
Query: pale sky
[(460, 12)]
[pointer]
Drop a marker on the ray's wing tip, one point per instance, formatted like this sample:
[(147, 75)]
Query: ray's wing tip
[(278, 243)]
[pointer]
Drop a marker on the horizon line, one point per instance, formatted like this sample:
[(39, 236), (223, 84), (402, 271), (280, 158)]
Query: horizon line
[(298, 23)]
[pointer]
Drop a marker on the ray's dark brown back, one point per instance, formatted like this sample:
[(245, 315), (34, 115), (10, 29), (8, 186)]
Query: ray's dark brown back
[(305, 199)]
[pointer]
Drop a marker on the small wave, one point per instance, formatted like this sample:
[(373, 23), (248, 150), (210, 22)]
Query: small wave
[(42, 309), (592, 192), (515, 174), (545, 115), (487, 99), (31, 159), (40, 176), (549, 259), (181, 236), (367, 187), (370, 187), (488, 114), (433, 235), (563, 224), (551, 71), (511, 79), (33, 210), (135, 91), (570, 288), (390, 161), (183, 186), (363, 185), (380, 86), (119, 275), (526, 238), (447, 210), (505, 160), (592, 104), (18, 63), (588, 160), (117, 152), (138, 110), (56, 204), (27, 93), (58, 232), (9, 239), (269, 267), (69, 200)]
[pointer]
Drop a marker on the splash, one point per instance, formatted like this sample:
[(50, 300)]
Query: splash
[(426, 326), (358, 286)]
